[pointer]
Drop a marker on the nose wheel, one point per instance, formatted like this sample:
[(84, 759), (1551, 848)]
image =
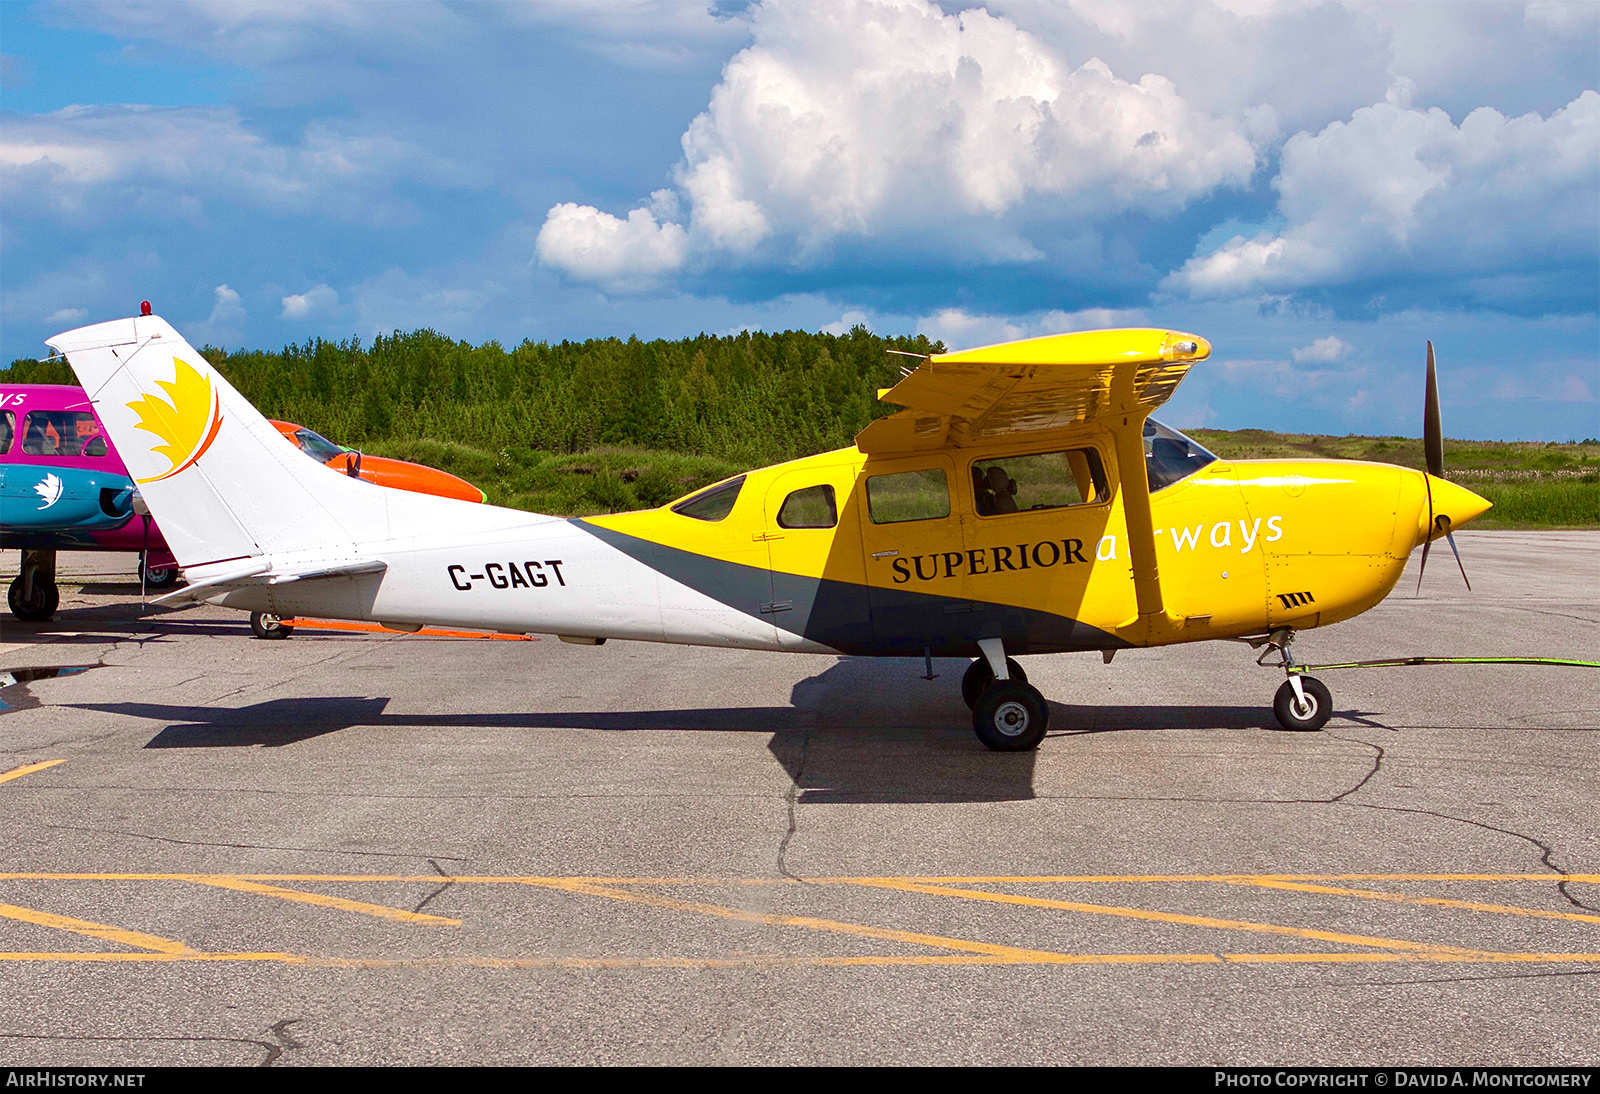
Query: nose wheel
[(1307, 711), (1303, 703)]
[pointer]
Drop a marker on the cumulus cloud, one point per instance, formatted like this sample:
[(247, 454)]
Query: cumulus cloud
[(227, 310), (1398, 190), (617, 254), (1324, 351), (63, 161), (866, 118), (314, 301)]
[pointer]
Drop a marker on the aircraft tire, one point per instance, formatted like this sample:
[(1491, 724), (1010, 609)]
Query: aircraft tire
[(267, 625), (41, 608), (979, 676), (1290, 713), (158, 577), (1011, 717)]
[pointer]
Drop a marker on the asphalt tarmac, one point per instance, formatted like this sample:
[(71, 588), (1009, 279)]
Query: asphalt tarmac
[(366, 848)]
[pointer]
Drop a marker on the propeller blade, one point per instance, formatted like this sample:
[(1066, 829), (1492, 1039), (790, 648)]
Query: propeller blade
[(1451, 537), (1429, 541), (1432, 431)]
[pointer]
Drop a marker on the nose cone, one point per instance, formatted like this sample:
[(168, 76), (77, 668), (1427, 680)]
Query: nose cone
[(1453, 506)]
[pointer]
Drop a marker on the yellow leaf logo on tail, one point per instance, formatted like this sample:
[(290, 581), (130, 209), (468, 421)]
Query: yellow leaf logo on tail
[(187, 425)]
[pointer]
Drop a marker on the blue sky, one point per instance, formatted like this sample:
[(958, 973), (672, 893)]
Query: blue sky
[(1317, 188)]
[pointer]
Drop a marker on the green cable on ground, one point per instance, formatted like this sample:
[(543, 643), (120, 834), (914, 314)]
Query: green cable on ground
[(1401, 661)]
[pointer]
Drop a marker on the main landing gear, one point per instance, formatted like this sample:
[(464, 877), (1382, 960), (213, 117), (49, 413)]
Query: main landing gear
[(1008, 715), (267, 625), (33, 596), (1303, 702)]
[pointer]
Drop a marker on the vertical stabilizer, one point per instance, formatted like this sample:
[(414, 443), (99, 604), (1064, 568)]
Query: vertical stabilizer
[(220, 479)]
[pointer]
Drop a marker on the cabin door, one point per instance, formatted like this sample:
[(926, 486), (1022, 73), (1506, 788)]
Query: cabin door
[(911, 542)]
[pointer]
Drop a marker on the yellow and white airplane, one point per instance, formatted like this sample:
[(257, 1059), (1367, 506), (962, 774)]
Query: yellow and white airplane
[(1024, 502)]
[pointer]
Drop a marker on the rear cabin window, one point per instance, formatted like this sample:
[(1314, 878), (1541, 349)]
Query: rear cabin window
[(1041, 480), (713, 503), (8, 429), (812, 507), (62, 433), (1169, 456), (909, 495)]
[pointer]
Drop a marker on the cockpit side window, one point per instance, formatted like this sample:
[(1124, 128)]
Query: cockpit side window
[(712, 503), (908, 495), (316, 445), (1038, 480), (8, 430), (1169, 456)]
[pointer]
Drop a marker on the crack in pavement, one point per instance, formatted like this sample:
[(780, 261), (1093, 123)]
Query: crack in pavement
[(280, 1030), (791, 799), (273, 1051), (1545, 850), (1462, 979), (253, 846)]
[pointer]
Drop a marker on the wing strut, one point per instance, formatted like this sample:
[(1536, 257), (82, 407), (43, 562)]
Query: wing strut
[(1126, 422)]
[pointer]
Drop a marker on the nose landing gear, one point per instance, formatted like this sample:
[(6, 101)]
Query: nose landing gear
[(1303, 703), (34, 596)]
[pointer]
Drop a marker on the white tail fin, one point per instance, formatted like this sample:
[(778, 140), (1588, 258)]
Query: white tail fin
[(220, 479)]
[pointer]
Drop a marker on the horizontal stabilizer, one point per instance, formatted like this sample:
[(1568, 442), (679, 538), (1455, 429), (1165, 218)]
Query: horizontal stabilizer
[(262, 574)]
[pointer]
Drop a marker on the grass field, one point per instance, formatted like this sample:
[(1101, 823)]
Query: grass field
[(1532, 484)]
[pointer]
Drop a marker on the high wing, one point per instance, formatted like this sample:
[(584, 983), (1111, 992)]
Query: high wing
[(1039, 386), (1034, 386)]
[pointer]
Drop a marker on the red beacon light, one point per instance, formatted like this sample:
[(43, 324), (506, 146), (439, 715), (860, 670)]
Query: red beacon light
[(144, 307)]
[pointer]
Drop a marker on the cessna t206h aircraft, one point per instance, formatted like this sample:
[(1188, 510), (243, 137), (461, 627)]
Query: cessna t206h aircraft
[(1023, 503)]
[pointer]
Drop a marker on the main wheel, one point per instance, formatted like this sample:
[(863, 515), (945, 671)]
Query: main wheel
[(1010, 717), (39, 607), (1309, 716), (267, 625), (158, 577), (979, 676)]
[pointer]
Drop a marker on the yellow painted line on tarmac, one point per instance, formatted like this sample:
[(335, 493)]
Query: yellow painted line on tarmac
[(1430, 901), (29, 769), (806, 922), (383, 911), (1174, 917), (93, 930), (767, 961), (998, 879)]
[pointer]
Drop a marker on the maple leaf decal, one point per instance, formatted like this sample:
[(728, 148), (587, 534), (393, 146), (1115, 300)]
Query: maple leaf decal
[(182, 423)]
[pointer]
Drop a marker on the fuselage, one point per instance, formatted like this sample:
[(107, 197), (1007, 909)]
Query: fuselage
[(842, 552)]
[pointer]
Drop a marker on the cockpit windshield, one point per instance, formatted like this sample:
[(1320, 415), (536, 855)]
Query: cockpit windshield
[(1169, 456), (319, 447)]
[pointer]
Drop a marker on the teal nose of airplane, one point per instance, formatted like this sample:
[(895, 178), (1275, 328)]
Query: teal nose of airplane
[(1451, 505)]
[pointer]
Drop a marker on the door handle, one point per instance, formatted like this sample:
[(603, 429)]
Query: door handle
[(884, 554), (762, 537)]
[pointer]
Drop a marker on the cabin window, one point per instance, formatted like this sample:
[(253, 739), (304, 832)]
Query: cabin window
[(8, 429), (713, 503), (316, 445), (910, 495), (61, 433), (1169, 456), (1039, 480), (812, 507)]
